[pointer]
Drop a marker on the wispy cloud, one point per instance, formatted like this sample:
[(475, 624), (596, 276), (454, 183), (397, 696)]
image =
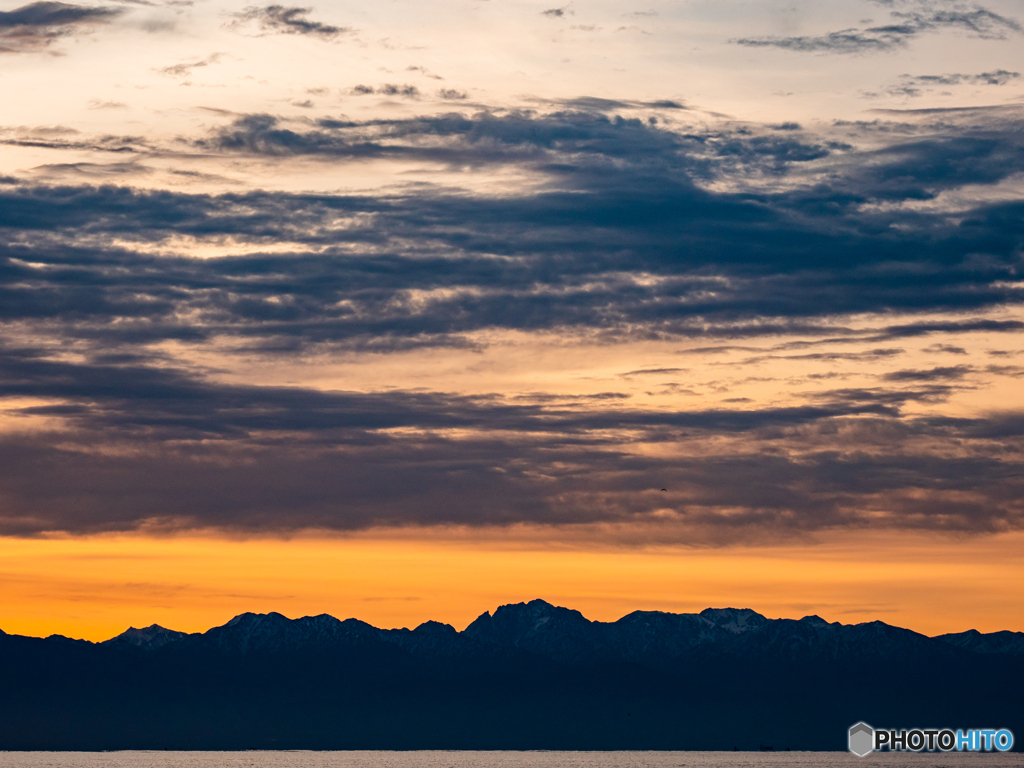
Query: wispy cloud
[(185, 68), (97, 104), (288, 20), (904, 27), (995, 77), (35, 26), (912, 86), (391, 89)]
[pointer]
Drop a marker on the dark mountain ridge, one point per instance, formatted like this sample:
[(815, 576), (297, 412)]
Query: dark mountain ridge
[(651, 638), (994, 642), (529, 676)]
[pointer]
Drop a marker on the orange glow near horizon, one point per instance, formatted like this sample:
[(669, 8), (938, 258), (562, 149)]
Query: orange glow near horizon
[(95, 587)]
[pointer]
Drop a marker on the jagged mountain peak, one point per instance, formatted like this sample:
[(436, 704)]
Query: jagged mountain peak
[(535, 607), (532, 616), (147, 638), (249, 619), (542, 628), (521, 618), (436, 628), (735, 620)]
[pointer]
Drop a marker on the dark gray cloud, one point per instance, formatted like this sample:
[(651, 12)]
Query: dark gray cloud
[(949, 349), (869, 354), (910, 330), (912, 86), (559, 142), (60, 138), (940, 373), (620, 200), (1014, 371), (390, 89), (38, 25), (182, 450), (483, 137), (904, 26), (318, 297), (652, 371), (600, 104), (923, 168), (288, 20), (437, 481), (995, 77), (569, 144)]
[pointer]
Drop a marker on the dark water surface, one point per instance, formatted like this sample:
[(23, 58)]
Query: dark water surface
[(468, 759)]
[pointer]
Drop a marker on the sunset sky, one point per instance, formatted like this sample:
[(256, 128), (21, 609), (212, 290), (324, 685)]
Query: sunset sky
[(403, 310)]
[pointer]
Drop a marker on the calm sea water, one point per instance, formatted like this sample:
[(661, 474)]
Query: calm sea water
[(440, 759)]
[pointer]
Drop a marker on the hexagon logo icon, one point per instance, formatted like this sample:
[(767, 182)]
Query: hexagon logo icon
[(862, 739)]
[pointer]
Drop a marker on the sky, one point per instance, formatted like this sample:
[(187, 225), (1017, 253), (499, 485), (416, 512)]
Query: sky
[(406, 310)]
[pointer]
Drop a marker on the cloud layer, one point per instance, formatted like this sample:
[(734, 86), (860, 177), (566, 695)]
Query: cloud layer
[(633, 233), (624, 239), (185, 451), (265, 281)]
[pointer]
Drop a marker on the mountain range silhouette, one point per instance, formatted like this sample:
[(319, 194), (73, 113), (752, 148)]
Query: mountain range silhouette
[(528, 676)]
